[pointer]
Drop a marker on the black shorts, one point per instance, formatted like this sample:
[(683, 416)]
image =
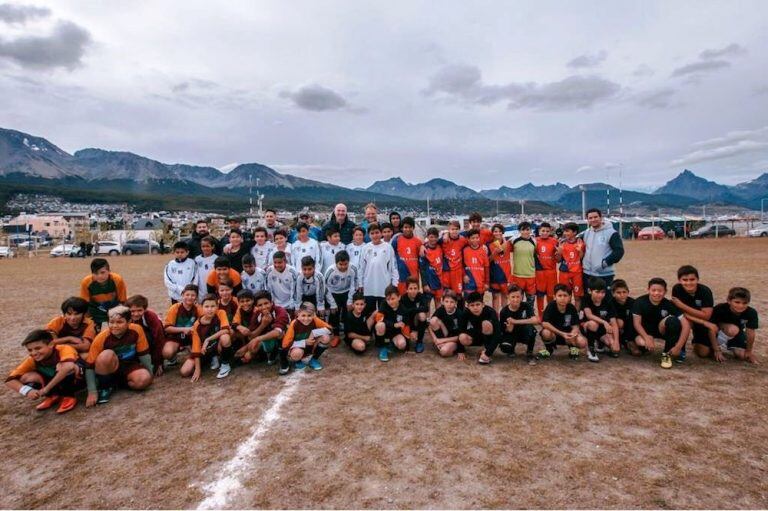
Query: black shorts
[(600, 332), (703, 340), (391, 332), (372, 304), (348, 342), (476, 336), (739, 342), (520, 334)]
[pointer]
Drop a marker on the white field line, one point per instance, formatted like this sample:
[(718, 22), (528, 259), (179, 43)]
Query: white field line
[(219, 492)]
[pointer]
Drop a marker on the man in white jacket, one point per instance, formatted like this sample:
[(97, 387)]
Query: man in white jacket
[(378, 269), (180, 271)]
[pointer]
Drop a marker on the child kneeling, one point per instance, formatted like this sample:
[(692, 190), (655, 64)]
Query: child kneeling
[(305, 340)]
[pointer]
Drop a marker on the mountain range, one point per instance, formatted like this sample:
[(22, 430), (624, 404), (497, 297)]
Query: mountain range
[(31, 163)]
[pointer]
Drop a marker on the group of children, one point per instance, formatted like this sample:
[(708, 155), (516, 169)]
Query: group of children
[(266, 300)]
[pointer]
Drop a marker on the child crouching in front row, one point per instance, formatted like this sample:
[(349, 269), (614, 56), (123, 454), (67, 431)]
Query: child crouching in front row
[(305, 340)]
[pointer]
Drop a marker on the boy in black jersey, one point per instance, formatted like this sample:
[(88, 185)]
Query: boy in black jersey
[(357, 328), (560, 323), (517, 320), (623, 303), (737, 323), (445, 323), (656, 317), (391, 327), (417, 305), (695, 301), (480, 327), (598, 320)]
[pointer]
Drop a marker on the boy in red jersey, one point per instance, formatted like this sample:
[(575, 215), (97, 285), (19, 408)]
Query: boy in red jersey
[(546, 266), (501, 266), (476, 265), (407, 248), (432, 263), (453, 245), (570, 251), (476, 222)]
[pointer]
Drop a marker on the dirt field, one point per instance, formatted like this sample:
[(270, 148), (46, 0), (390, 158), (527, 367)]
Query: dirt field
[(417, 432)]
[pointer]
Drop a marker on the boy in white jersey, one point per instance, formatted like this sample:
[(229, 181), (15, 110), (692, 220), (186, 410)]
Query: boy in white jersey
[(304, 246), (341, 282), (281, 283), (205, 262), (310, 286), (355, 249), (330, 248), (378, 269), (280, 244), (179, 272), (254, 278), (262, 248)]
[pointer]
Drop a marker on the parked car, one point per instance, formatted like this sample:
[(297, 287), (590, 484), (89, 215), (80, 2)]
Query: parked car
[(759, 231), (651, 233), (65, 250), (139, 246), (710, 231), (105, 247), (6, 252)]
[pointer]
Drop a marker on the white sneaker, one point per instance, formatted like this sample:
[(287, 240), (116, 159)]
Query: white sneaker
[(224, 371), (215, 363), (592, 357), (722, 340)]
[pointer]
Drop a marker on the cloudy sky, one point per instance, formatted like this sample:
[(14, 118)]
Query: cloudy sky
[(482, 93)]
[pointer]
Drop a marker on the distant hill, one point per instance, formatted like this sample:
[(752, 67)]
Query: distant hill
[(689, 184), (529, 191), (434, 189)]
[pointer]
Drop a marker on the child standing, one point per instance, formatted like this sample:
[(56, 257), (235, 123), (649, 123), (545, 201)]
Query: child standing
[(179, 272)]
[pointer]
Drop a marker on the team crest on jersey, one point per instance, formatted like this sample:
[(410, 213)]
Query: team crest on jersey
[(664, 313), (698, 303), (567, 320)]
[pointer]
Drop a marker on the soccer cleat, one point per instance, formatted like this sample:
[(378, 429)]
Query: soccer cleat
[(47, 403), (299, 365), (67, 404), (666, 361), (315, 364), (384, 354), (284, 370), (543, 354), (506, 347), (531, 359), (215, 363), (573, 353), (613, 354), (224, 371), (173, 361), (592, 357), (104, 395), (419, 347), (599, 347)]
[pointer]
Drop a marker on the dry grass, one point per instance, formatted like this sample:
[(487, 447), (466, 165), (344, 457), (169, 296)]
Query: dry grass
[(417, 432)]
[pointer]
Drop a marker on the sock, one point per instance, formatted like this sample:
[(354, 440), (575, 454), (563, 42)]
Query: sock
[(319, 349), (672, 332), (379, 340), (530, 344), (227, 354), (420, 329), (105, 381), (283, 358), (540, 305)]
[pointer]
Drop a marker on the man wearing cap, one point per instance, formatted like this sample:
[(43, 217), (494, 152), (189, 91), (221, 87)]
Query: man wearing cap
[(341, 222), (235, 223), (314, 231)]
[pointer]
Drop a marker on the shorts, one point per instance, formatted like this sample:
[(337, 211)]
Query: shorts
[(520, 334), (478, 339), (391, 332), (545, 282), (600, 332), (454, 279), (559, 340), (499, 288), (739, 342), (372, 304), (124, 369), (527, 284), (348, 342), (574, 281), (180, 339)]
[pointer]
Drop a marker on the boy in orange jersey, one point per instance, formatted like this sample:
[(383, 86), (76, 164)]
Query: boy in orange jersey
[(178, 323), (407, 248), (501, 266), (119, 355), (432, 265), (305, 340), (570, 251), (453, 245), (72, 327), (102, 289), (227, 301), (546, 266), (51, 371), (476, 265), (210, 337), (221, 271)]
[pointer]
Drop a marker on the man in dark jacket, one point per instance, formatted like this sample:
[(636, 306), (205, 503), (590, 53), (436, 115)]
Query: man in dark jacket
[(201, 231), (341, 222)]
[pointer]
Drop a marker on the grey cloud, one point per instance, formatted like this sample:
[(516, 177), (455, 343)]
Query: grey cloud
[(64, 47), (194, 83), (657, 99), (701, 67), (735, 143), (588, 60), (732, 50), (316, 98), (10, 13), (575, 92), (642, 71)]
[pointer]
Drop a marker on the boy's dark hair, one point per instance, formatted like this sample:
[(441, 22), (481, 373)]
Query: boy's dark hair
[(341, 255), (474, 297), (281, 232), (514, 288), (411, 280), (433, 231), (137, 301), (545, 224), (657, 281), (358, 228), (373, 227), (209, 297), (236, 231), (475, 217), (597, 284), (387, 225), (221, 262), (524, 225), (248, 259), (619, 284), (75, 303), (450, 293), (98, 264), (395, 213), (330, 232), (739, 293), (191, 287), (454, 223), (244, 294), (561, 287), (391, 290), (262, 295), (473, 232), (270, 211), (209, 239), (687, 269), (498, 226), (408, 221), (593, 210), (260, 228), (358, 296), (302, 225), (571, 226), (278, 255), (183, 245), (227, 282), (38, 335), (308, 261)]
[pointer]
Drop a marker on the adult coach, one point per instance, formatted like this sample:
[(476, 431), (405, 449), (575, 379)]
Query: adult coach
[(341, 222), (201, 231), (604, 248)]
